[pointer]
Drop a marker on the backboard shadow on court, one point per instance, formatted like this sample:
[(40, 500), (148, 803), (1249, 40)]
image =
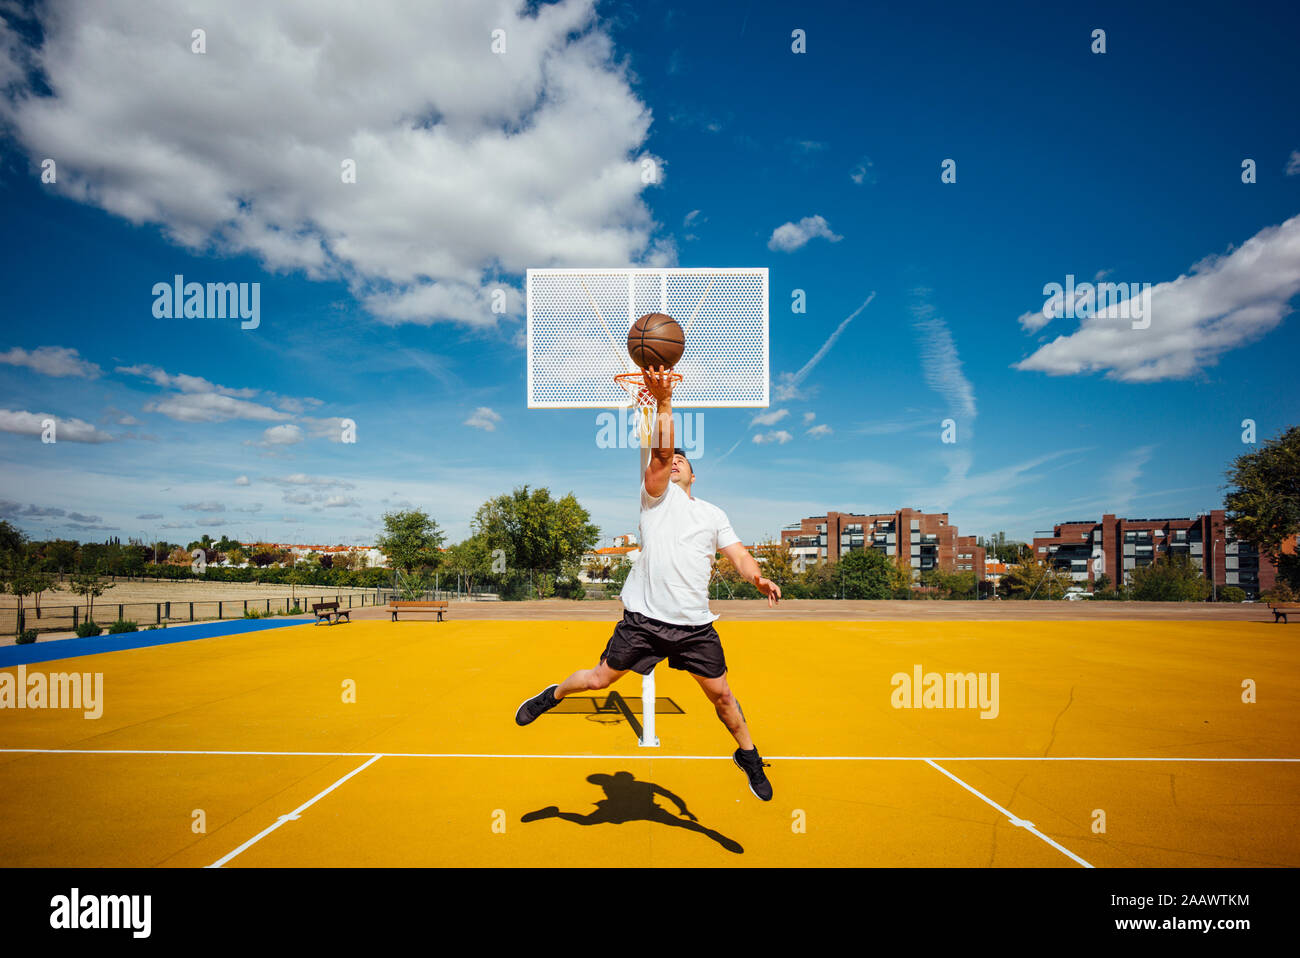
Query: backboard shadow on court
[(629, 800)]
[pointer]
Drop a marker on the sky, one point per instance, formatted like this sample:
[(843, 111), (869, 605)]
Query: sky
[(378, 171)]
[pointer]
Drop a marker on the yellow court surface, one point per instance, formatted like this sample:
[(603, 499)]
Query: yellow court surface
[(1102, 744)]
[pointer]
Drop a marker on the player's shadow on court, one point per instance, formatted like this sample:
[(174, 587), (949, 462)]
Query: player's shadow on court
[(629, 800)]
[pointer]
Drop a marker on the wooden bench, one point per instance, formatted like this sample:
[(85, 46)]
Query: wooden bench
[(1280, 610), (330, 612), (438, 607)]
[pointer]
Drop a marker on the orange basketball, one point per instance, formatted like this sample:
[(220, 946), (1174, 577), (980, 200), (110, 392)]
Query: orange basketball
[(656, 340)]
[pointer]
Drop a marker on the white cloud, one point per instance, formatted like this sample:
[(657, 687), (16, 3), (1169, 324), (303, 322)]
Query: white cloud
[(809, 417), (818, 431), (1227, 302), (51, 361), (1293, 163), (285, 435), (65, 430), (864, 172), (769, 418), (791, 236), (209, 407), (339, 502), (780, 437), (483, 418), (242, 481), (467, 163), (183, 382), (941, 362), (302, 479)]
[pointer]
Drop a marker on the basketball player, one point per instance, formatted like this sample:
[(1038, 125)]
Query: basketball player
[(665, 598)]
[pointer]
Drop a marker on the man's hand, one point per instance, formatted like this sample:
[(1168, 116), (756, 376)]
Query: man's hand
[(769, 589), (660, 384)]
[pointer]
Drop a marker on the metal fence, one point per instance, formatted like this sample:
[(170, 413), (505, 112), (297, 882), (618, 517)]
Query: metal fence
[(66, 618)]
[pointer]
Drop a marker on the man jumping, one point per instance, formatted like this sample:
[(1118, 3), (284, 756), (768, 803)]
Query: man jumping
[(666, 595)]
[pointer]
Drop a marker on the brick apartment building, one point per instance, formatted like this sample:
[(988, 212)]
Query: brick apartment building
[(1128, 544), (927, 539)]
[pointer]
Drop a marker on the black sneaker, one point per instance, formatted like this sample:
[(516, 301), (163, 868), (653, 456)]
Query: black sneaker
[(535, 706), (753, 767)]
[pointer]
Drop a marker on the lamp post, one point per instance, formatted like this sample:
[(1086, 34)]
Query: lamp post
[(1214, 579)]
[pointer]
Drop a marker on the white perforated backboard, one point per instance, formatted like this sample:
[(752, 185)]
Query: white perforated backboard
[(578, 321)]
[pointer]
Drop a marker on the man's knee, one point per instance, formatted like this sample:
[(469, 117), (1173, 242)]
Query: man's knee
[(602, 677)]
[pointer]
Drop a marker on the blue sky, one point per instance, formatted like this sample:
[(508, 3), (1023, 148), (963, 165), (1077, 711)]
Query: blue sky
[(472, 166)]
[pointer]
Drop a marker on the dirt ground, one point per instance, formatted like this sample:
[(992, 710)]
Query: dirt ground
[(848, 609), (185, 590)]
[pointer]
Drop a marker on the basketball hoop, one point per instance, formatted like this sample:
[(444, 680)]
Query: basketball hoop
[(644, 400)]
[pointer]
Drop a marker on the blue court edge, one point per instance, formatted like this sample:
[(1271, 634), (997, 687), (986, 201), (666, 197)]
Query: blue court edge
[(71, 648)]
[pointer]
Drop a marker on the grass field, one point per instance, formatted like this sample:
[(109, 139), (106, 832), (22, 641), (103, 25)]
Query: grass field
[(1112, 744)]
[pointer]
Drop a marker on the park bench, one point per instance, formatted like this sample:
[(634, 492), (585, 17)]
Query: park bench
[(330, 612), (1280, 610), (438, 607)]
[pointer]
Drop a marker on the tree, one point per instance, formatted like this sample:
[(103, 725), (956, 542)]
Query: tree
[(1170, 579), (1264, 508), (22, 576), (12, 539), (863, 574), (776, 560), (411, 540), (537, 533), (88, 585), (471, 560), (900, 577), (618, 574), (1034, 578)]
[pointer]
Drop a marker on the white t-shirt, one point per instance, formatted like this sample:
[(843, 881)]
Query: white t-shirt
[(679, 538)]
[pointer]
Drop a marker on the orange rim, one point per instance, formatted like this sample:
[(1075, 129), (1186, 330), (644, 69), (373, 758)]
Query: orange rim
[(630, 380)]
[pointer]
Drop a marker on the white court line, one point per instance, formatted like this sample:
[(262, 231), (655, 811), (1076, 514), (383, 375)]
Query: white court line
[(691, 758), (293, 815), (1018, 822)]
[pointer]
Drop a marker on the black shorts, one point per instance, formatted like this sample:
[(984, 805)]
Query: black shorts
[(640, 643)]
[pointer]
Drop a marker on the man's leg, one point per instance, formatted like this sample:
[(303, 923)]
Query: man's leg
[(602, 676), (728, 709)]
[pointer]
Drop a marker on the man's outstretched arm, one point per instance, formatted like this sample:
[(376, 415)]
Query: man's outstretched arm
[(749, 570), (659, 472)]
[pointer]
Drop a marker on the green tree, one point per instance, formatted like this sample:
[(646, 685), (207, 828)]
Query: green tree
[(1264, 508), (863, 574), (22, 576), (1170, 579), (537, 533), (89, 586), (12, 539), (471, 560), (818, 580), (411, 541), (618, 571)]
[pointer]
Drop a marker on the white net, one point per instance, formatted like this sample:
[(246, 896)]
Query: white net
[(578, 322)]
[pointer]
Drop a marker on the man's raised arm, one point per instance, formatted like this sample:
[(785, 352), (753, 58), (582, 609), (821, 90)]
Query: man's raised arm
[(749, 570), (659, 472)]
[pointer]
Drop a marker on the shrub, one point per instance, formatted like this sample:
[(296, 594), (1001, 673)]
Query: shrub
[(256, 614), (87, 629), (1231, 593), (1281, 592), (122, 626), (570, 589), (26, 637)]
